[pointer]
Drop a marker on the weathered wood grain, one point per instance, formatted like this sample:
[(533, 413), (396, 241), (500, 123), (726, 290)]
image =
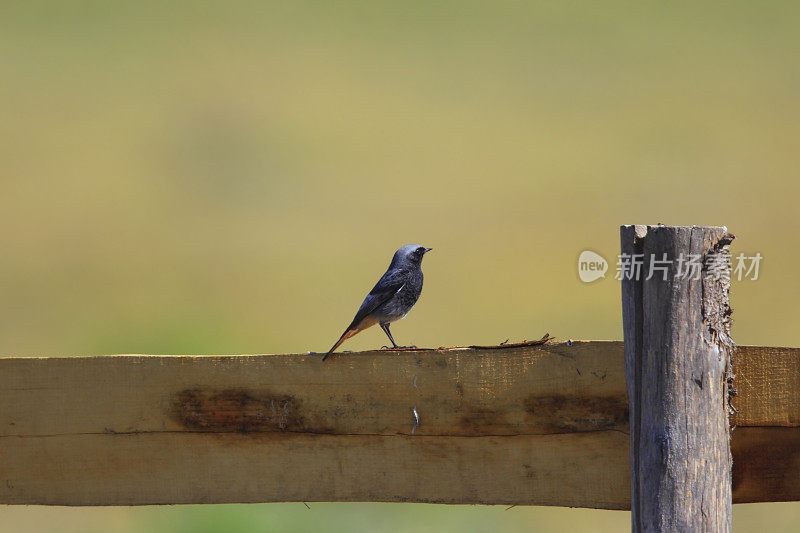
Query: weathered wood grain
[(768, 385), (537, 426), (214, 468), (677, 356), (514, 391), (766, 464)]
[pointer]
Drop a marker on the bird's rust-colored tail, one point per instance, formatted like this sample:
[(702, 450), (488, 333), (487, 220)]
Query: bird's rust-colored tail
[(349, 332), (346, 335)]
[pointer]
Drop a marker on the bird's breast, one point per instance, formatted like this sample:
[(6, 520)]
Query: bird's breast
[(402, 302)]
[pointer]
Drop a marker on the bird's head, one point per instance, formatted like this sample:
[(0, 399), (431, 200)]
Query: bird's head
[(410, 254)]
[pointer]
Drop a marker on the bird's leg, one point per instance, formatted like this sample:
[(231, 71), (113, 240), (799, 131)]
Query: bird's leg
[(385, 328)]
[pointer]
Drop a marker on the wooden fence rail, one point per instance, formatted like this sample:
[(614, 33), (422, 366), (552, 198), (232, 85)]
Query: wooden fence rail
[(541, 425)]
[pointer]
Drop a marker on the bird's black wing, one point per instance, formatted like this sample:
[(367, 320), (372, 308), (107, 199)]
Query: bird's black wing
[(382, 292), (391, 282)]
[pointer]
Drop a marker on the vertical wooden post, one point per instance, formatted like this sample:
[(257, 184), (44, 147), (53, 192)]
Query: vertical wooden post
[(676, 318)]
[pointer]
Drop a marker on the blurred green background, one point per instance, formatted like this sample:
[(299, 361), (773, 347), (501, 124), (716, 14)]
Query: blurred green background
[(232, 177)]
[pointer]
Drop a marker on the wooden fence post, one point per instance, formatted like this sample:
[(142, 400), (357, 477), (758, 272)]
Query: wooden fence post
[(676, 319)]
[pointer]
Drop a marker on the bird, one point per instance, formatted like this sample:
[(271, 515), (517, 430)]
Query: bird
[(392, 297)]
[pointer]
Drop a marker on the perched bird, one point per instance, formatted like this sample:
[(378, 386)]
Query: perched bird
[(392, 297)]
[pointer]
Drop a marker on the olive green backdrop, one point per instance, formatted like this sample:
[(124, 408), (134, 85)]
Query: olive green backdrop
[(232, 177)]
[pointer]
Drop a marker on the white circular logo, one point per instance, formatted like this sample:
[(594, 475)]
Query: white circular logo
[(591, 266)]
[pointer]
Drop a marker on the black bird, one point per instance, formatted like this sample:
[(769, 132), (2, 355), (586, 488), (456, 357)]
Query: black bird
[(392, 297)]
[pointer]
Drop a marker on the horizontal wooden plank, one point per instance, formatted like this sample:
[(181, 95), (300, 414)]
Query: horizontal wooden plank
[(551, 389), (768, 385), (766, 464), (516, 391), (531, 425), (579, 470), (155, 468)]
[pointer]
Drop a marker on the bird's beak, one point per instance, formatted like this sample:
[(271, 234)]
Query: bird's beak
[(428, 250)]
